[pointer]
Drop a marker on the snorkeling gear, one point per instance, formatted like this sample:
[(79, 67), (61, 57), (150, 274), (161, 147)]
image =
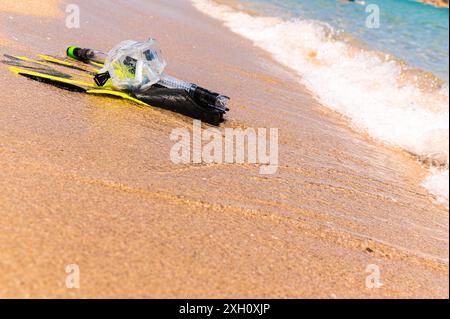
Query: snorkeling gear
[(136, 67)]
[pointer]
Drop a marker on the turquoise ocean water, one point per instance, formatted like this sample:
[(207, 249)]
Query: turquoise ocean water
[(414, 32)]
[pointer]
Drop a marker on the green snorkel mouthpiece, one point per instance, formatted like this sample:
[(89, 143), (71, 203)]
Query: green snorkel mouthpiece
[(71, 52)]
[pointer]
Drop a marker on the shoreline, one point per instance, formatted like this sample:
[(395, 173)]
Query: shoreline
[(309, 62), (89, 181)]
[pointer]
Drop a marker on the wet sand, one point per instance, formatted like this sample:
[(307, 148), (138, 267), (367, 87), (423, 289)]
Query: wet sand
[(88, 180)]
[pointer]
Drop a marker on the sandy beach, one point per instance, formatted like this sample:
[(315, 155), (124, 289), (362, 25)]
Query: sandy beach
[(88, 180)]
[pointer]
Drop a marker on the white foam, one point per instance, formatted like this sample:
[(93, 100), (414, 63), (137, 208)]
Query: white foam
[(438, 185), (361, 84)]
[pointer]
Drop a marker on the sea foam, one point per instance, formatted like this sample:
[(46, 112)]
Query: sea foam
[(381, 95)]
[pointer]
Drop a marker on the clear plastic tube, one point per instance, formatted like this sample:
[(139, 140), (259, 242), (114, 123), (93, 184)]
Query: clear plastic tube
[(86, 54), (96, 56), (173, 83), (196, 92)]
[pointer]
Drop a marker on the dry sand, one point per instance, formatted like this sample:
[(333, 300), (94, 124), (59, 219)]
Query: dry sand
[(88, 180), (39, 8)]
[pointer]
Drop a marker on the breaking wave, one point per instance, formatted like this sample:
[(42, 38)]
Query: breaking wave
[(398, 105)]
